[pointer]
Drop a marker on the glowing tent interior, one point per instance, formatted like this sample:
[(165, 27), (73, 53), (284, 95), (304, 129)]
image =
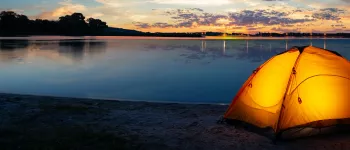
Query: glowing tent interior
[(304, 86)]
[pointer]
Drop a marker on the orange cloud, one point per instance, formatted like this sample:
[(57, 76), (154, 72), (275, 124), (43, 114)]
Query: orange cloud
[(66, 8)]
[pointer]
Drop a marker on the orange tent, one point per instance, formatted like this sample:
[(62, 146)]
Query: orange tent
[(301, 87)]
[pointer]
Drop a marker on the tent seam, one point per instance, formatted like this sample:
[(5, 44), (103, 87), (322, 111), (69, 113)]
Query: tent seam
[(285, 94)]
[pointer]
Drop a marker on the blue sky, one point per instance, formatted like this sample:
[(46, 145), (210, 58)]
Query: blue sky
[(198, 15)]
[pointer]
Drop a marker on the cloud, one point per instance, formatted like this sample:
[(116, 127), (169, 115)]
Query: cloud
[(192, 2), (189, 17), (274, 0), (337, 25), (95, 15), (19, 11), (251, 3), (154, 25), (250, 19), (162, 25), (141, 25), (111, 3), (66, 7), (334, 10), (264, 17), (138, 18), (328, 14), (236, 27), (180, 11)]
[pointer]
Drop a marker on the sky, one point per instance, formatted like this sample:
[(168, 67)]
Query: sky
[(239, 16)]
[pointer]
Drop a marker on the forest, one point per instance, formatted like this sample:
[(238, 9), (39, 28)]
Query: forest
[(12, 24)]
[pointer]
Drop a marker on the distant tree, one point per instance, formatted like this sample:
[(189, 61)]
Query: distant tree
[(12, 23), (8, 18), (45, 27), (96, 25), (22, 23), (73, 24)]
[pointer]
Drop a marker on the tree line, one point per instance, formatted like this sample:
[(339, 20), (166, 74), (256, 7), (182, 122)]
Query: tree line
[(12, 24)]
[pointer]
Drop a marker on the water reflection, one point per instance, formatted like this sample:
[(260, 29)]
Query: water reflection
[(73, 49), (212, 50), (96, 47), (8, 45), (206, 70), (63, 50), (224, 48), (257, 52), (204, 43), (13, 50), (247, 46), (207, 50)]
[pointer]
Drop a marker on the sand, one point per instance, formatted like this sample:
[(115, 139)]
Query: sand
[(38, 122)]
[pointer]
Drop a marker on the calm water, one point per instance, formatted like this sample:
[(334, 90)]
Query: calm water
[(204, 71)]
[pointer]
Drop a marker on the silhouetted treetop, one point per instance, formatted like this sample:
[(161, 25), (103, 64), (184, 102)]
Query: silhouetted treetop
[(96, 23)]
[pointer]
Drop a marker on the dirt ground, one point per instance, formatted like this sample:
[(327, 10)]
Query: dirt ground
[(50, 123)]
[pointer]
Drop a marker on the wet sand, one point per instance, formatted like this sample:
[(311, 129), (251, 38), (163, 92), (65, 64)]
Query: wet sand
[(38, 122)]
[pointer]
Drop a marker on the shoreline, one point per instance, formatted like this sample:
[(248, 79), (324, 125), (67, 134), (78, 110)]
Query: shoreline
[(119, 99), (61, 37), (45, 122)]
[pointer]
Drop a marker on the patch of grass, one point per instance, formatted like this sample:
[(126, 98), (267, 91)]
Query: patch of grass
[(61, 138)]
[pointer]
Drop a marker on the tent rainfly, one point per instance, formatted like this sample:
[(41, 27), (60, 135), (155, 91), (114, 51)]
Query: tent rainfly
[(301, 87)]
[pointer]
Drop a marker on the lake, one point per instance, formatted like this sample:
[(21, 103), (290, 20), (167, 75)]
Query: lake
[(151, 69)]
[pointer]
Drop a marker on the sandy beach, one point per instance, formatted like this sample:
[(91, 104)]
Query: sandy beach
[(38, 122)]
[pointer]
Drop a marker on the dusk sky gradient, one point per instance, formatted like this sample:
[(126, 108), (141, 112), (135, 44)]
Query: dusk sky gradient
[(246, 16)]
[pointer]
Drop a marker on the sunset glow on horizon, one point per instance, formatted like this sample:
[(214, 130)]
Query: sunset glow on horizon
[(239, 16)]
